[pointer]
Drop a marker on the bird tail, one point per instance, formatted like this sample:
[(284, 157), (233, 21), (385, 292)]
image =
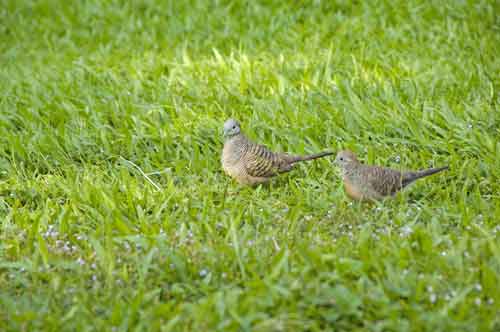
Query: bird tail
[(412, 176), (311, 156)]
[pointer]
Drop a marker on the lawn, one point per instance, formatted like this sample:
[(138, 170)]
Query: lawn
[(115, 214)]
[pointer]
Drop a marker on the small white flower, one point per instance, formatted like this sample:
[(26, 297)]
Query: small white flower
[(478, 287), (80, 261), (406, 231), (203, 273), (433, 298), (477, 301)]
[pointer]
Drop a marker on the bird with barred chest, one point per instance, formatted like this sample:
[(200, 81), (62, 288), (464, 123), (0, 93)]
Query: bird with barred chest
[(365, 182), (250, 163)]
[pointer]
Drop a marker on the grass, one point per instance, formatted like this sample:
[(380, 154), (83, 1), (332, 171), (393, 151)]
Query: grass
[(94, 95)]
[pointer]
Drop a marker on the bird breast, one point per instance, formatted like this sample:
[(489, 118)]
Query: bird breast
[(352, 190), (232, 152)]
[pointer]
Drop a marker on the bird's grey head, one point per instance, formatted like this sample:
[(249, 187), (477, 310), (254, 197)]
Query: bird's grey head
[(345, 158), (231, 128)]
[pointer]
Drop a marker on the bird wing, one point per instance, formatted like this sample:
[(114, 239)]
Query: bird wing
[(384, 181), (262, 162)]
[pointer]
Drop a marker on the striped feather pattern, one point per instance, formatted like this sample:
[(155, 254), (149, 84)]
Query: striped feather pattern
[(251, 163), (262, 162)]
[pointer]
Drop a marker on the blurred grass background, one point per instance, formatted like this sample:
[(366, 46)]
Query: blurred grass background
[(87, 88)]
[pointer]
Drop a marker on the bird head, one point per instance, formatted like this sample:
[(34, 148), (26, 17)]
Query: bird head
[(231, 128), (345, 158)]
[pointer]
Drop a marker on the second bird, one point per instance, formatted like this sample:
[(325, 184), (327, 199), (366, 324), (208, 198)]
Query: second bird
[(365, 182), (250, 163)]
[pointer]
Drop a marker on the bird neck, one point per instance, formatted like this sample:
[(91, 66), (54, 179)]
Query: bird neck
[(232, 137), (351, 169), (238, 141), (234, 148)]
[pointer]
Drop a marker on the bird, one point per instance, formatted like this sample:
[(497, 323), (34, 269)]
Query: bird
[(252, 164), (372, 183)]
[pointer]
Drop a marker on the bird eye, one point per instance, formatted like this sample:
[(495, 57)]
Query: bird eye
[(234, 127), (341, 159)]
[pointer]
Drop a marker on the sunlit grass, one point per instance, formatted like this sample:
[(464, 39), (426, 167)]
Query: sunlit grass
[(103, 103)]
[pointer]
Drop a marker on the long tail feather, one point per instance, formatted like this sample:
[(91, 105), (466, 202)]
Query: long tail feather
[(412, 176), (312, 156)]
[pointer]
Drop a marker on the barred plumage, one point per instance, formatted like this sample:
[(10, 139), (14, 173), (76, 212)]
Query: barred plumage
[(364, 182), (250, 163)]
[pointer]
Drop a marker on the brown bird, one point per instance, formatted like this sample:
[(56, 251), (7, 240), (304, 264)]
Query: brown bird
[(364, 182), (250, 163)]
